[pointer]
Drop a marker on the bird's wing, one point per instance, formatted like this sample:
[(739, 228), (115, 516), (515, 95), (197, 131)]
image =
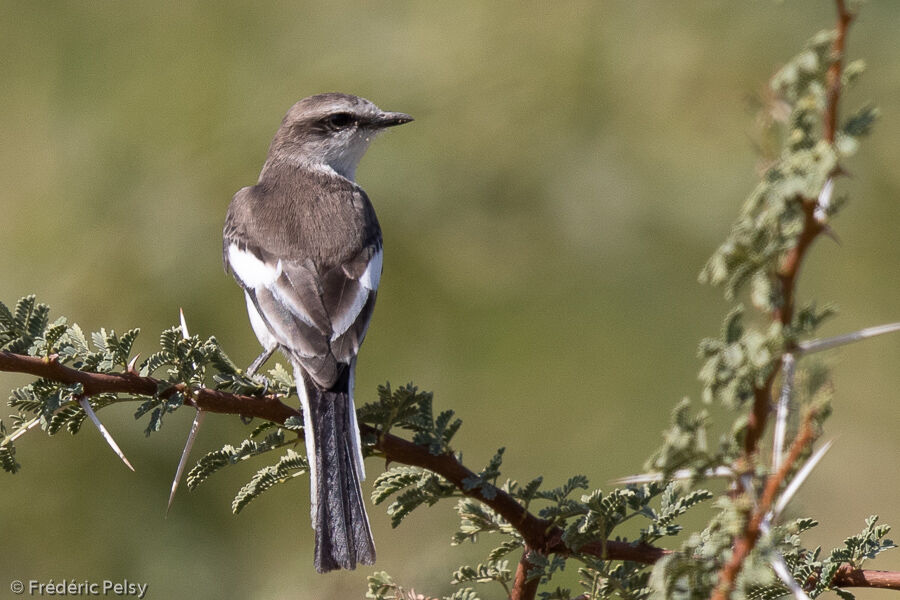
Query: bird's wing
[(318, 315)]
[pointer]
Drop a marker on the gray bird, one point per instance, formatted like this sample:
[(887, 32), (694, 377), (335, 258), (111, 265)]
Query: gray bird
[(305, 246)]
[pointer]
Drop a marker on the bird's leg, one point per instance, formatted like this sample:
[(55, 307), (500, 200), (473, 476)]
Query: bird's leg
[(258, 362), (251, 371)]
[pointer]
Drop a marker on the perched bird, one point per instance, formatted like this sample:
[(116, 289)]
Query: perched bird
[(305, 245)]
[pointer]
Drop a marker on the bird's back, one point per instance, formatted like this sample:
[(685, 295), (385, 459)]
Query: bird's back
[(303, 215)]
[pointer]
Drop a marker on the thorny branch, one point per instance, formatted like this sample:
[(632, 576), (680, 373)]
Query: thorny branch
[(845, 18), (745, 544), (786, 277), (523, 588), (812, 228), (538, 533)]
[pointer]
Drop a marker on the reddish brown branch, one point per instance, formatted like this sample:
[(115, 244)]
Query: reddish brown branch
[(534, 530), (790, 266), (759, 415), (268, 408), (847, 576), (786, 278), (835, 71), (537, 533), (524, 588), (747, 541)]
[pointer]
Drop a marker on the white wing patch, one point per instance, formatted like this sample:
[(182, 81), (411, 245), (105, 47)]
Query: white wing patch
[(263, 334), (369, 283), (256, 274), (343, 323), (252, 272), (372, 275)]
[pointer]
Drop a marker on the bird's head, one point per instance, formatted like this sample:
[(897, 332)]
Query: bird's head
[(331, 130)]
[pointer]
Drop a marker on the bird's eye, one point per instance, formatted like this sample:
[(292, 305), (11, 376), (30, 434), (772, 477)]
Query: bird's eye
[(339, 120)]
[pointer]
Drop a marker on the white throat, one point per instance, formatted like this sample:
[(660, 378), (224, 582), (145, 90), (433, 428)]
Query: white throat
[(343, 158)]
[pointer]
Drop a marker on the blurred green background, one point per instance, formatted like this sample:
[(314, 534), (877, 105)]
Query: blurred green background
[(571, 167)]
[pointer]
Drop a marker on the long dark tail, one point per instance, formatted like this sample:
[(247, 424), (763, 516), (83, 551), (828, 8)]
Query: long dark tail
[(343, 537)]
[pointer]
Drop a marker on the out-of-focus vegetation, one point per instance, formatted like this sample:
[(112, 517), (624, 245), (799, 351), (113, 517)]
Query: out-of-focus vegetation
[(571, 167)]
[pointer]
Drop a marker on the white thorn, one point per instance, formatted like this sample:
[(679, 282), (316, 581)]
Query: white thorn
[(195, 427), (747, 486), (86, 405), (783, 409), (640, 478), (798, 480), (847, 338), (784, 573), (21, 431), (824, 201), (132, 362), (678, 475), (184, 329)]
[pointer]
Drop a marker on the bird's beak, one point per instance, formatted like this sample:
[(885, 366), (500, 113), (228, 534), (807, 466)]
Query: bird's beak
[(390, 119)]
